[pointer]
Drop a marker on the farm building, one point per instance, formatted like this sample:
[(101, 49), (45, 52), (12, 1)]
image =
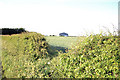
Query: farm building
[(63, 34)]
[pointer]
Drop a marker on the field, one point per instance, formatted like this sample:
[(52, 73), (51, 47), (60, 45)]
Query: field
[(65, 42), (58, 43)]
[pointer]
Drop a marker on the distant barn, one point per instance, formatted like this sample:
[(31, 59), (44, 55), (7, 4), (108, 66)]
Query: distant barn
[(63, 34)]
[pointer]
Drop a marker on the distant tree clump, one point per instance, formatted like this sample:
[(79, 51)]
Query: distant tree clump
[(10, 31)]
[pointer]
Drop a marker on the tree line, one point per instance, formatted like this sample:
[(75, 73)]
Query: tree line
[(9, 31)]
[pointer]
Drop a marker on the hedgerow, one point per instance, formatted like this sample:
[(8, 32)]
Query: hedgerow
[(96, 57), (21, 52)]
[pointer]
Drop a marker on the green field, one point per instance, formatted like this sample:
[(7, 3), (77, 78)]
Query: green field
[(66, 42), (58, 43)]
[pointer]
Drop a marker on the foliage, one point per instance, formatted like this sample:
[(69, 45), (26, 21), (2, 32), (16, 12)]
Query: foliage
[(96, 57), (17, 50), (9, 31), (26, 44), (23, 66)]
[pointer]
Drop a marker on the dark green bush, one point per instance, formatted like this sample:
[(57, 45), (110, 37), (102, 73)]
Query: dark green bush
[(97, 56)]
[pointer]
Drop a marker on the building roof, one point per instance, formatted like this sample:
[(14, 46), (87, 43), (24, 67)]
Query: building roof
[(63, 34)]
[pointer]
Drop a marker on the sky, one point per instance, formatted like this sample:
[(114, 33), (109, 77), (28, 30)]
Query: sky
[(51, 17)]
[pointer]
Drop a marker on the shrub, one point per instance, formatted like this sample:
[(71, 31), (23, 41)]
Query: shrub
[(20, 54), (96, 57), (34, 44), (26, 44), (23, 66)]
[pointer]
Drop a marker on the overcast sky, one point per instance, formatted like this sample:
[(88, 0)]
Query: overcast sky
[(74, 17)]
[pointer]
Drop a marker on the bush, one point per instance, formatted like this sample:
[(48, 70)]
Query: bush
[(23, 66), (34, 44), (96, 57), (21, 53), (26, 44)]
